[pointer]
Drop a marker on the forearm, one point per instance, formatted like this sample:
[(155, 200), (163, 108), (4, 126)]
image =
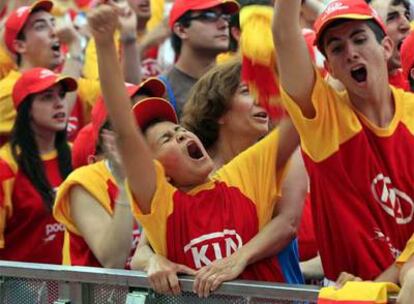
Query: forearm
[(406, 269), (73, 68), (131, 60), (141, 258), (116, 243), (286, 20), (272, 239), (389, 275)]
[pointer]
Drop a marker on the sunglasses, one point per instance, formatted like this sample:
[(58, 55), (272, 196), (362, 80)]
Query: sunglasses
[(210, 16)]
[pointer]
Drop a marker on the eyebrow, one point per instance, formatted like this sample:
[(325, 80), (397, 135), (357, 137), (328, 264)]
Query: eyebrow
[(355, 32), (43, 20)]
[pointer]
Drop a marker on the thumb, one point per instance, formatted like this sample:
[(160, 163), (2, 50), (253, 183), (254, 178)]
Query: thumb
[(185, 270)]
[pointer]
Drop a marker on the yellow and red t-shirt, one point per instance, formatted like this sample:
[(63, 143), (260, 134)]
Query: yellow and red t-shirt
[(88, 92), (28, 231), (215, 219), (361, 180), (99, 182)]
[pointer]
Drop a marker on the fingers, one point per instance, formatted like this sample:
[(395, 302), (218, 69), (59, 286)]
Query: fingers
[(174, 285), (186, 270), (346, 277)]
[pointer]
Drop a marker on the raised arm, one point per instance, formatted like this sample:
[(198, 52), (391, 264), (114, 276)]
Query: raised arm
[(296, 73), (135, 153)]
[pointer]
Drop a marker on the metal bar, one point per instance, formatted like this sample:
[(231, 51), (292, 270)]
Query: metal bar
[(90, 275)]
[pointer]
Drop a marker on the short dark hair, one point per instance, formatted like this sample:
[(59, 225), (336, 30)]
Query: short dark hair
[(176, 42), (373, 25)]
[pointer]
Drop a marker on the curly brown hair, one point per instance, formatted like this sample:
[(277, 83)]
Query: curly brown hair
[(210, 98)]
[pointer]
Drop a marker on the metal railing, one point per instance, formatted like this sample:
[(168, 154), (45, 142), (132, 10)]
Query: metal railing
[(22, 283)]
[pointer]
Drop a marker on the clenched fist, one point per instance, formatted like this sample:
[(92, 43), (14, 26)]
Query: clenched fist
[(103, 22)]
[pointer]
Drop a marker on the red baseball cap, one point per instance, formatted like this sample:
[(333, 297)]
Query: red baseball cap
[(83, 146), (407, 55), (153, 86), (38, 80), (152, 108), (17, 19), (180, 7), (345, 9)]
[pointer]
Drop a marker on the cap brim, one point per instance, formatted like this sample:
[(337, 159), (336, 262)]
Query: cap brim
[(229, 6), (153, 85), (68, 83), (333, 18), (153, 108), (42, 5)]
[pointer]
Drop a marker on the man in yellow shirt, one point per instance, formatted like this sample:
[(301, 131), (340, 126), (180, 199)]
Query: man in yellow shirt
[(30, 34)]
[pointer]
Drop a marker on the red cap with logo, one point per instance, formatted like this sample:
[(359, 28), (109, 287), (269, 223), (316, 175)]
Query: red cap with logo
[(38, 80), (85, 142), (407, 55), (180, 7), (18, 18), (345, 9), (153, 108), (151, 86)]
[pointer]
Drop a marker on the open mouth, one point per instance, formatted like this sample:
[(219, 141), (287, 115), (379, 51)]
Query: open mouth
[(359, 74), (399, 45), (59, 115), (261, 115), (194, 150), (56, 47)]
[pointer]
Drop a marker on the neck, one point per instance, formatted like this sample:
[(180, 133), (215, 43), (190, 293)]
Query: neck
[(45, 141), (26, 65), (228, 147), (378, 106), (193, 63)]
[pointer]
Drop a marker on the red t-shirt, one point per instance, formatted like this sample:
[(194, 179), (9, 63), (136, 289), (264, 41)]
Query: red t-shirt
[(215, 219), (28, 231), (361, 181)]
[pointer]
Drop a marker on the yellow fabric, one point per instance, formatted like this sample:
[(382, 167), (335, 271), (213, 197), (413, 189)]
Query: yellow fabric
[(90, 67), (157, 13), (6, 62), (412, 25), (6, 209), (93, 179), (407, 253), (256, 19), (360, 291), (252, 172), (336, 121), (7, 111), (224, 57)]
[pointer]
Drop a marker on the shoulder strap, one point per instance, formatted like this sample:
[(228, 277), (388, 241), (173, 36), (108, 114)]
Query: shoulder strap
[(170, 91)]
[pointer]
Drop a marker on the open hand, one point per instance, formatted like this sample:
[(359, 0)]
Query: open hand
[(162, 275), (210, 277)]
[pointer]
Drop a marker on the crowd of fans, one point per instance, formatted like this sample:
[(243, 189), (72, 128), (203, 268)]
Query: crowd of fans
[(252, 139)]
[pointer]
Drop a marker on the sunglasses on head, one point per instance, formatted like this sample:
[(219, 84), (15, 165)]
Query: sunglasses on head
[(210, 16)]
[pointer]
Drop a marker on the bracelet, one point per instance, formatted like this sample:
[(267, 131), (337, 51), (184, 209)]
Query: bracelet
[(77, 57)]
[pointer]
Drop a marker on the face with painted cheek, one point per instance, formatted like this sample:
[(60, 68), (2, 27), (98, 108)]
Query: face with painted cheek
[(183, 156)]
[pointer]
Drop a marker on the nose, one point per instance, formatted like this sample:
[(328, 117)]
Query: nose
[(404, 25), (180, 136), (223, 22), (351, 52)]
